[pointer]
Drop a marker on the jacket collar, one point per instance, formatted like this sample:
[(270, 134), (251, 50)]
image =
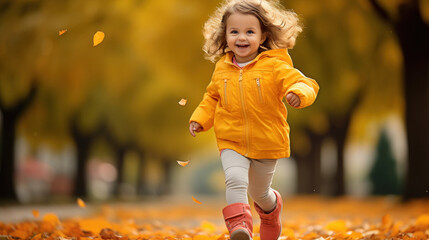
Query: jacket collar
[(281, 54)]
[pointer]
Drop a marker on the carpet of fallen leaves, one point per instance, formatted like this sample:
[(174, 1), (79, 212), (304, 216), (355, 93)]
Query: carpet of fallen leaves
[(303, 218)]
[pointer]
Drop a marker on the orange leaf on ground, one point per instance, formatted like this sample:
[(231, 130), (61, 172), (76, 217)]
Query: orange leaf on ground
[(288, 232), (419, 235), (195, 200), (107, 233), (94, 225), (183, 102), (423, 221), (37, 237), (200, 237), (311, 235), (81, 203), (36, 213), (386, 221), (183, 163), (208, 227), (58, 235), (51, 218), (355, 236), (337, 226), (98, 38), (61, 32), (308, 219), (19, 233), (396, 228)]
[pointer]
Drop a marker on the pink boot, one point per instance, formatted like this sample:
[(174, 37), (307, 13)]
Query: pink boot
[(238, 220), (271, 225)]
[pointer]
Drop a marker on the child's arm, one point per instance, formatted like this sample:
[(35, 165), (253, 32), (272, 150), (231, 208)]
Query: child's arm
[(300, 91), (203, 117)]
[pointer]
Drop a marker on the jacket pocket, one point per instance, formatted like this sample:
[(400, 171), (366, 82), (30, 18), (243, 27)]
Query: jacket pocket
[(258, 82), (225, 92)]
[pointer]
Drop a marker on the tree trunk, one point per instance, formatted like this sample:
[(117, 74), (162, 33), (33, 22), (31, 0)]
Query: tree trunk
[(7, 167), (417, 124), (167, 165), (120, 161), (309, 166), (339, 128), (82, 144), (306, 181), (10, 118), (413, 36), (339, 135), (141, 180), (119, 151)]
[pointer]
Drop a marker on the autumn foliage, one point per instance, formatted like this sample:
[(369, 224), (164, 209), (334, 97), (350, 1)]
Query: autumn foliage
[(303, 218)]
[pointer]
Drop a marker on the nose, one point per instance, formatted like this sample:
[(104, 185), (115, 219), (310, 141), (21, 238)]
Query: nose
[(241, 37)]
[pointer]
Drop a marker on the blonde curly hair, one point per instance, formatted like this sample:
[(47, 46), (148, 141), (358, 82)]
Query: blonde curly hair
[(281, 26)]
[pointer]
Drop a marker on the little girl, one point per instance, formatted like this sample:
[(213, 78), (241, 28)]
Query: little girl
[(244, 104)]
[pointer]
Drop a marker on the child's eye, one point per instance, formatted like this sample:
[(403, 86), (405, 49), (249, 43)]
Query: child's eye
[(250, 32), (234, 32)]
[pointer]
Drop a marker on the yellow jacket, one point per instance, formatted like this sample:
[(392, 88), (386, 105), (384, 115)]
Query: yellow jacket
[(245, 105)]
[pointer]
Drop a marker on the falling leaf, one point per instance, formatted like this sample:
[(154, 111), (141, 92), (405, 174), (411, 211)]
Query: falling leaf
[(183, 163), (35, 213), (195, 200), (182, 102), (81, 203), (98, 38), (61, 32)]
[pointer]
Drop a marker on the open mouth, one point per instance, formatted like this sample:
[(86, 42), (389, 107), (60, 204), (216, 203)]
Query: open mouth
[(242, 45)]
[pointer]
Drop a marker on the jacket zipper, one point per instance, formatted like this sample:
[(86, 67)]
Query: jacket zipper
[(243, 105), (258, 84), (224, 91)]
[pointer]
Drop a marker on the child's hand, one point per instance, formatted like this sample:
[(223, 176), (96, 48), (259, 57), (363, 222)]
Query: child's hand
[(195, 127), (293, 99)]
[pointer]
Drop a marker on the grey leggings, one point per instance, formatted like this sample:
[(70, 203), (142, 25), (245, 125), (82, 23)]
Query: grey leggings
[(255, 175)]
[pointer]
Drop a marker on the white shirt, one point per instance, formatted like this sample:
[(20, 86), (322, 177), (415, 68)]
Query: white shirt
[(243, 64)]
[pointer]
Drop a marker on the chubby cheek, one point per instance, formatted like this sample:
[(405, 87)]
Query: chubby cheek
[(230, 42)]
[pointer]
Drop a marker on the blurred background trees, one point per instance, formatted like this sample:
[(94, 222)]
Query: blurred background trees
[(409, 21), (105, 119)]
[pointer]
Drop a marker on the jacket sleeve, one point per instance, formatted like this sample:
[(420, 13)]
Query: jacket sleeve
[(205, 112), (292, 80)]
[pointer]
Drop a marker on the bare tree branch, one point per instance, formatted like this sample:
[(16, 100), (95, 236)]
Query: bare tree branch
[(381, 11)]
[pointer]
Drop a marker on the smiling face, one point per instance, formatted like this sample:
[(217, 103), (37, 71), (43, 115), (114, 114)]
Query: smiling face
[(243, 36)]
